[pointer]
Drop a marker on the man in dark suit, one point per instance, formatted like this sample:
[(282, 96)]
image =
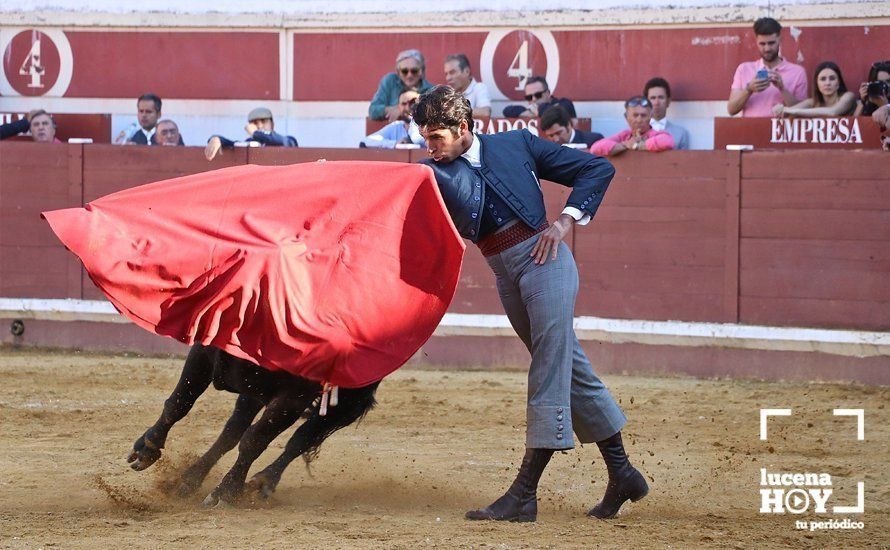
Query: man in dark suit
[(556, 126), (538, 100), (149, 107), (491, 187)]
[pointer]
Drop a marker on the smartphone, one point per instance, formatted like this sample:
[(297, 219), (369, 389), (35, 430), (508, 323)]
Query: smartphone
[(762, 74)]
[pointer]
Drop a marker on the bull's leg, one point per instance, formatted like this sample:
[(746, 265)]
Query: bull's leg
[(196, 376), (353, 405), (246, 409), (280, 414)]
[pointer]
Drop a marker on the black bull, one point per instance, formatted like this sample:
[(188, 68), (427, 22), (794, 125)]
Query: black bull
[(285, 397)]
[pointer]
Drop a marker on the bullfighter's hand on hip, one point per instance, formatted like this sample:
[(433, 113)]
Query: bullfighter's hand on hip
[(548, 242)]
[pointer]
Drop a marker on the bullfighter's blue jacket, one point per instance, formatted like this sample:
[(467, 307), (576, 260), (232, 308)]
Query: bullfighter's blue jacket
[(513, 163)]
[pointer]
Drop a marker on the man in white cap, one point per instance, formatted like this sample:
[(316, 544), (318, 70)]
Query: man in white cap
[(260, 128)]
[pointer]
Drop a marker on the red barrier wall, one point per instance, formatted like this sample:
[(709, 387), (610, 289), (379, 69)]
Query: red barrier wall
[(815, 239), (779, 238)]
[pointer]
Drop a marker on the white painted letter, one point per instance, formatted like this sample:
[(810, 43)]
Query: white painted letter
[(771, 501), (820, 497)]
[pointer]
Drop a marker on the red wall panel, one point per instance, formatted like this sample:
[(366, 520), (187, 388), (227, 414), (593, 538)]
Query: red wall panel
[(349, 66), (33, 178), (182, 65), (595, 65), (814, 242)]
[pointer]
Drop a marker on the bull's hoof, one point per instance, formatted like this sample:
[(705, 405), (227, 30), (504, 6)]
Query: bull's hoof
[(145, 453), (213, 500), (190, 481), (187, 487), (225, 494), (262, 485)]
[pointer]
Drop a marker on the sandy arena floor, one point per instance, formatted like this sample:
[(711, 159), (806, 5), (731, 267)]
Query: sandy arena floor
[(439, 443)]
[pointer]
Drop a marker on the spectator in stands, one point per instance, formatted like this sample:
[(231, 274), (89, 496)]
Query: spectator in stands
[(556, 126), (639, 136), (16, 127), (167, 133), (830, 96), (658, 92), (260, 128), (459, 77), (879, 72), (43, 127), (399, 131), (149, 107), (771, 80), (410, 75), (538, 98)]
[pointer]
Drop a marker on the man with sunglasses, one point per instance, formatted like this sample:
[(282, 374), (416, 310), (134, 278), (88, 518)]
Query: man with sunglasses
[(410, 74), (639, 136), (539, 98), (399, 131), (491, 187)]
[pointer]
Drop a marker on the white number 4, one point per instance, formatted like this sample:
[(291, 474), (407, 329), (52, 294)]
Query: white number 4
[(519, 66), (32, 67)]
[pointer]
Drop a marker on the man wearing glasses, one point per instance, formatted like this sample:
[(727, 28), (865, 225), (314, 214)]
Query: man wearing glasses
[(539, 98), (639, 136), (410, 74)]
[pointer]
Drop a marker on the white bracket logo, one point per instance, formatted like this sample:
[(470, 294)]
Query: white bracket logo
[(766, 413), (860, 420), (771, 495)]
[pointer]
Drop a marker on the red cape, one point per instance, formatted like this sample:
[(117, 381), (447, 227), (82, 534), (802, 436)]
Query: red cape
[(335, 271)]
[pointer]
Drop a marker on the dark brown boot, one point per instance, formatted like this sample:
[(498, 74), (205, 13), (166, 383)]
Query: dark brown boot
[(520, 502), (625, 481)]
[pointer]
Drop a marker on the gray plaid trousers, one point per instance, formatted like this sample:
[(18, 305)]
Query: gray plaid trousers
[(540, 303)]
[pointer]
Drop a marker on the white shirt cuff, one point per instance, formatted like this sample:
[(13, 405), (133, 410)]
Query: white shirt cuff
[(580, 217)]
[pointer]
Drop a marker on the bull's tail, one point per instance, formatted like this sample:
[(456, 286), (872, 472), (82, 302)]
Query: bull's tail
[(352, 406)]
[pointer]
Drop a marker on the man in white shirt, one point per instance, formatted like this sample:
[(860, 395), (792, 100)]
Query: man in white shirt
[(459, 77), (658, 92)]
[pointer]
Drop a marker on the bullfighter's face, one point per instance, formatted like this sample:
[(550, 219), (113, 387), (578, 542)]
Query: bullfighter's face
[(444, 145)]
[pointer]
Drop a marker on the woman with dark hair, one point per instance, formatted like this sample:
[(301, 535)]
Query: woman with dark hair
[(868, 104), (830, 96)]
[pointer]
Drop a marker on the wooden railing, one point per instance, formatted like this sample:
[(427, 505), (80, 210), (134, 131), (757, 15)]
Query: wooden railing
[(797, 238)]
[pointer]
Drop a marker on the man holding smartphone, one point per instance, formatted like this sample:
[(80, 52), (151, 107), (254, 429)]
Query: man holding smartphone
[(771, 80)]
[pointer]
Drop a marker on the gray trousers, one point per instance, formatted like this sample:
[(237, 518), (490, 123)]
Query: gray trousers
[(540, 302)]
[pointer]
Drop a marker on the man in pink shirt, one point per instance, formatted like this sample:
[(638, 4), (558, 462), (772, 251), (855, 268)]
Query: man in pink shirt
[(639, 136), (759, 85)]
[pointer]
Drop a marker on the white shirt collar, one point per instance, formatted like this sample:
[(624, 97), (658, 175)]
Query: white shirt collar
[(659, 125), (474, 153), (572, 136)]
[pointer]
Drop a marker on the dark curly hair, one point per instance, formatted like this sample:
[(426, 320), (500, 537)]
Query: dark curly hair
[(818, 98), (766, 26), (443, 107)]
